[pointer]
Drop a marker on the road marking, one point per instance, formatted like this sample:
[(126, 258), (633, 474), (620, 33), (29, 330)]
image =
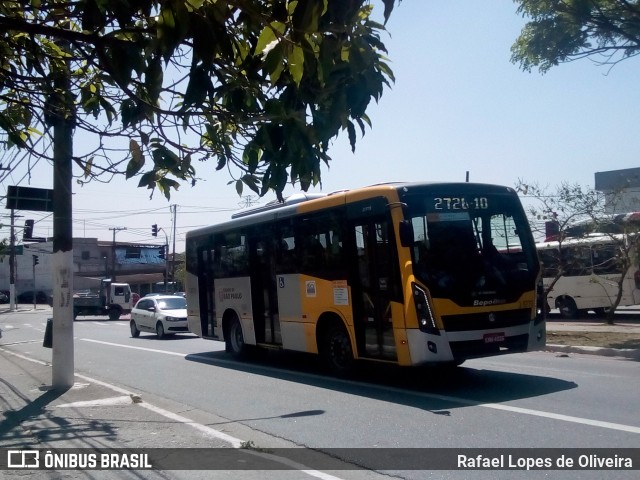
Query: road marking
[(134, 348), (102, 402), (21, 342), (233, 441), (462, 401)]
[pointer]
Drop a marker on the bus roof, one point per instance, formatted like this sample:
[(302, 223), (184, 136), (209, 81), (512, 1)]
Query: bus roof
[(274, 209), (591, 239)]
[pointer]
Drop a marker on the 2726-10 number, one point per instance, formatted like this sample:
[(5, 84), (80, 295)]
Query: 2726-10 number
[(460, 203)]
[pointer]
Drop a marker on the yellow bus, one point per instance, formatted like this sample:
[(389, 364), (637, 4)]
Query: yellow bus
[(408, 273)]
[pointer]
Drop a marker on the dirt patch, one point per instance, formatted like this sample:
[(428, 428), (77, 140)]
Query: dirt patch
[(595, 339)]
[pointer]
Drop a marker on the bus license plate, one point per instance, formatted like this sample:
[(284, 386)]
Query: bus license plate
[(494, 337)]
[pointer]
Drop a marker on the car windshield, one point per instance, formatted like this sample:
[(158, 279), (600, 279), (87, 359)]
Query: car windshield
[(177, 303)]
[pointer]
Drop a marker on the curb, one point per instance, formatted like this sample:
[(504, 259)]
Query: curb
[(629, 353)]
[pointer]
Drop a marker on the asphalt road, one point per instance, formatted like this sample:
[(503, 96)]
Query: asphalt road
[(533, 400)]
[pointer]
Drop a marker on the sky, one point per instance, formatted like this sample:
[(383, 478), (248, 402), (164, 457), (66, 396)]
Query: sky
[(458, 105)]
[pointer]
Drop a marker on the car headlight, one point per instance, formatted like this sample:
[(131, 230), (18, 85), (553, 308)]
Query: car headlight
[(173, 319)]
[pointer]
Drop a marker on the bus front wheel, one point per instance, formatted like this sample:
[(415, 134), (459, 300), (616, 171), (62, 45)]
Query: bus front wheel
[(336, 350), (567, 307)]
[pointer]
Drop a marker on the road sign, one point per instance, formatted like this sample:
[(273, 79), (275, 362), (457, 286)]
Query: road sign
[(29, 198)]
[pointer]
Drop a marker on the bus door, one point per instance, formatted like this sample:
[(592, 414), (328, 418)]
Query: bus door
[(263, 288), (207, 292), (374, 281)]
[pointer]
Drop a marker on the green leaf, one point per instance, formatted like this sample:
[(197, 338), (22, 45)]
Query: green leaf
[(269, 37), (87, 167), (137, 159), (352, 136), (274, 62), (307, 13), (388, 8), (165, 185), (148, 180), (252, 182), (296, 63)]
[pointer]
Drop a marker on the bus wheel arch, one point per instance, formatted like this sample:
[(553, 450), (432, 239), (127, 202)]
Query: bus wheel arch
[(233, 334), (334, 344), (567, 306)]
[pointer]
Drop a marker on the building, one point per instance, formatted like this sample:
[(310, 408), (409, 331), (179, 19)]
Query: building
[(621, 189), (140, 265)]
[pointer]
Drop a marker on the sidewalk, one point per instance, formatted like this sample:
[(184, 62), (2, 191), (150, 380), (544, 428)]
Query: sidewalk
[(128, 438), (90, 415), (627, 326)]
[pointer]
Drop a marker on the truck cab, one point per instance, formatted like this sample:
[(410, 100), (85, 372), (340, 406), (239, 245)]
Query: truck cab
[(112, 299)]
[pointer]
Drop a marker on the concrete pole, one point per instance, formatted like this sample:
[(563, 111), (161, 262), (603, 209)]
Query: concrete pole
[(63, 121), (12, 263), (173, 254)]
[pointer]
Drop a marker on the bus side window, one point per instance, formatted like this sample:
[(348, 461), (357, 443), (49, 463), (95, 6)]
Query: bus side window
[(312, 252), (285, 254)]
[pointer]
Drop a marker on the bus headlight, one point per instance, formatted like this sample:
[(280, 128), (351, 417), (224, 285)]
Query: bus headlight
[(426, 321)]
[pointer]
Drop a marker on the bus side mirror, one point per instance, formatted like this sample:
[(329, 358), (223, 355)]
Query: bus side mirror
[(406, 233)]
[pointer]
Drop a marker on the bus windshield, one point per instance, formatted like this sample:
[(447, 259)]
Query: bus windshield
[(473, 250)]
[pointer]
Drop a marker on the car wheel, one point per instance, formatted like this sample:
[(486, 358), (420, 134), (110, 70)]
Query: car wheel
[(160, 330), (336, 350), (134, 329)]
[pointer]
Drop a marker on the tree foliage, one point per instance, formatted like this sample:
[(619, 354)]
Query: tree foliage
[(260, 87), (564, 30)]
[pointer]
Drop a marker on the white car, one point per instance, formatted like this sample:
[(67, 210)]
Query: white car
[(162, 314)]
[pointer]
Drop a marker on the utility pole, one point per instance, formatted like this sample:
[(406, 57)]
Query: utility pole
[(173, 255), (35, 262), (113, 252), (12, 264), (154, 231), (62, 117)]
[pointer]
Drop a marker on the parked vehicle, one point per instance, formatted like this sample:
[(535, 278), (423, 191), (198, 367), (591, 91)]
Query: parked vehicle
[(112, 299), (28, 297), (162, 314)]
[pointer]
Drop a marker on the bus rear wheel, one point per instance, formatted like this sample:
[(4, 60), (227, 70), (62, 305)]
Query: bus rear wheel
[(336, 350), (234, 341)]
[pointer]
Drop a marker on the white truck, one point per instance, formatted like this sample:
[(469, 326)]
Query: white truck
[(113, 299)]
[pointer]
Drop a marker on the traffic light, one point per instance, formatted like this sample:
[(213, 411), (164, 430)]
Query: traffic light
[(154, 230), (162, 255), (36, 261), (28, 230)]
